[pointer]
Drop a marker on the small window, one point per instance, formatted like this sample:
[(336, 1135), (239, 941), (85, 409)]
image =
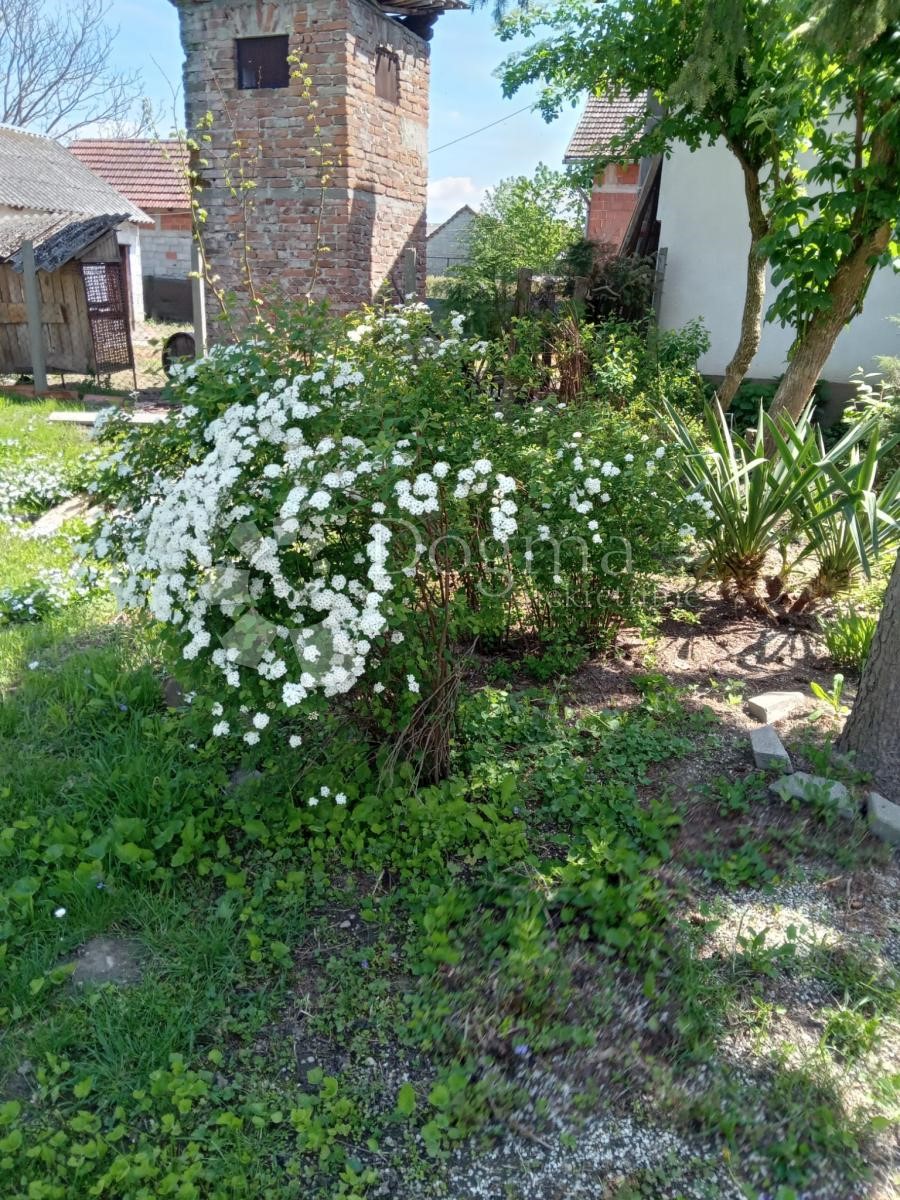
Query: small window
[(262, 62), (387, 76)]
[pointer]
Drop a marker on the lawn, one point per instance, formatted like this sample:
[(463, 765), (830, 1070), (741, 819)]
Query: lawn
[(598, 960)]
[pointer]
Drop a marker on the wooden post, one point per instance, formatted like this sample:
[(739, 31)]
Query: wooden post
[(409, 272), (580, 289), (523, 291), (33, 312), (198, 300)]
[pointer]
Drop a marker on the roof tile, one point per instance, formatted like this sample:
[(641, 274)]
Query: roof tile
[(152, 174), (604, 119)]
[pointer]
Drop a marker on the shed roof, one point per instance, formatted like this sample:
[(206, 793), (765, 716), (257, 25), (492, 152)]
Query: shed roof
[(152, 174), (604, 119), (39, 174), (58, 237), (465, 209)]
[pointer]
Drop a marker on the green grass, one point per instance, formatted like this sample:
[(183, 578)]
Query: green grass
[(336, 997)]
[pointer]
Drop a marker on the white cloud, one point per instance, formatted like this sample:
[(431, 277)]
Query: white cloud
[(446, 195)]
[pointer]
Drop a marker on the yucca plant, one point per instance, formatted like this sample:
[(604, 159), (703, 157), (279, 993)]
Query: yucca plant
[(843, 520), (752, 497)]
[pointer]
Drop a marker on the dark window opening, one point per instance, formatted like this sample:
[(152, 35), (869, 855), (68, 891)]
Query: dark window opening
[(262, 62), (387, 76)]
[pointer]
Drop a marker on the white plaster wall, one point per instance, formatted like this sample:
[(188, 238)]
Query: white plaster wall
[(704, 228), (130, 235)]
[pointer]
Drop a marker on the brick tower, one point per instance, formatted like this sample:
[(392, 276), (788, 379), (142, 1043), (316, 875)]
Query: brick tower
[(369, 66)]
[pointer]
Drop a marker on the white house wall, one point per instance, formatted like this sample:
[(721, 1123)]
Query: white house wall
[(130, 235), (704, 228)]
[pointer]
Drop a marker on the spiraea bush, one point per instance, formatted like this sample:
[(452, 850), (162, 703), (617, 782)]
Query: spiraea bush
[(338, 511)]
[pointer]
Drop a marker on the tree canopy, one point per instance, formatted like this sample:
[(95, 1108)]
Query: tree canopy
[(815, 128), (524, 222), (58, 71)]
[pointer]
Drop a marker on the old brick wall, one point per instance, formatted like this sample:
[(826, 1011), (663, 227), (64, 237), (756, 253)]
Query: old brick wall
[(613, 199), (374, 203), (387, 153)]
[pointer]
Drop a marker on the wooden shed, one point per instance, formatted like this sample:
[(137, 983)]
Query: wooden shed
[(63, 272)]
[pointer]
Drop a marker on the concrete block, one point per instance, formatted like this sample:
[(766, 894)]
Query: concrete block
[(768, 750), (53, 520), (802, 786), (884, 818), (769, 707)]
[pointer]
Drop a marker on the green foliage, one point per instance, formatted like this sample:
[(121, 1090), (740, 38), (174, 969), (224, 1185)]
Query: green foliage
[(847, 205), (832, 697), (848, 637), (850, 1033), (848, 516), (742, 72), (746, 496), (334, 996), (801, 500), (470, 519), (523, 223)]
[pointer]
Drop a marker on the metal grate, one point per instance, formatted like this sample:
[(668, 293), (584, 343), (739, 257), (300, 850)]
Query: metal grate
[(107, 306)]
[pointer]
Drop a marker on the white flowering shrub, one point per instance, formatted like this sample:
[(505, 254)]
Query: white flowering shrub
[(337, 526)]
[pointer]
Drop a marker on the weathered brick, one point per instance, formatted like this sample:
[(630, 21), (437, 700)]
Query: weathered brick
[(375, 201)]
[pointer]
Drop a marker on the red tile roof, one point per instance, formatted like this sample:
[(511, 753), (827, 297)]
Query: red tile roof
[(604, 118), (150, 173)]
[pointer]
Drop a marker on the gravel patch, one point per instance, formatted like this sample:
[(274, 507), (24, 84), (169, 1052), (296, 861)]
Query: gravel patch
[(580, 1159)]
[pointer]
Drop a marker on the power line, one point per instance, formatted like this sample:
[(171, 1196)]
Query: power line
[(482, 129)]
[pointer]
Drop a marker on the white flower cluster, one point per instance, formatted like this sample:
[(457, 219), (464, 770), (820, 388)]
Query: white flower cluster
[(592, 485), (701, 501), (194, 555), (29, 487)]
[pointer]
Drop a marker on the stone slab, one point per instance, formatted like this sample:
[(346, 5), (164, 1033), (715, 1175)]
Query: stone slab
[(769, 751), (802, 786), (884, 818), (150, 417), (109, 960), (52, 520), (769, 707)]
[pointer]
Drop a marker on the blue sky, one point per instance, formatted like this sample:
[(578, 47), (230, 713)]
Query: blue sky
[(465, 95)]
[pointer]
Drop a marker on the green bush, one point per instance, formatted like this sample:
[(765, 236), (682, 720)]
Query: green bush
[(848, 637), (338, 510), (793, 498), (524, 223)]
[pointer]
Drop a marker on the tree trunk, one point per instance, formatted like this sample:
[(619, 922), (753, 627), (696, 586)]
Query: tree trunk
[(812, 347), (754, 294), (873, 727)]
